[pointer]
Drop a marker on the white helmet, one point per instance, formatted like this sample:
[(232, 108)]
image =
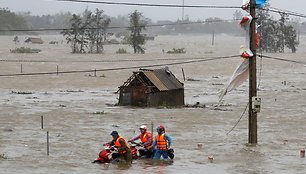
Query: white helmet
[(144, 127)]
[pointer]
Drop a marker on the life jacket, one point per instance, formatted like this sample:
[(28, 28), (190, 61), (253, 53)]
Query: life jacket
[(161, 142), (143, 138), (117, 144)]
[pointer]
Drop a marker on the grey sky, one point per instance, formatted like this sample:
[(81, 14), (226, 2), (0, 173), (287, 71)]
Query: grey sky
[(40, 7)]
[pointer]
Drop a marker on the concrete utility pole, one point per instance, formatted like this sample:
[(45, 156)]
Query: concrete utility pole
[(252, 77)]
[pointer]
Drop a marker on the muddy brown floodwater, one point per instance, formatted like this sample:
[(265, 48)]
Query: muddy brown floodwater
[(79, 111)]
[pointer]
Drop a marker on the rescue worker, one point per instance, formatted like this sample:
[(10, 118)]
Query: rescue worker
[(146, 141), (121, 146), (162, 142)]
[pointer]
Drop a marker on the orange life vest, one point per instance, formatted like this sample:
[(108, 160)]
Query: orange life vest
[(161, 142), (143, 138), (117, 144)]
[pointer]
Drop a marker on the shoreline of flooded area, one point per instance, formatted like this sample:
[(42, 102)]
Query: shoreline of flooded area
[(79, 111)]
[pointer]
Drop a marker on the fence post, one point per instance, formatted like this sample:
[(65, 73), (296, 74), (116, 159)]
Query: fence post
[(183, 74), (42, 121), (48, 143)]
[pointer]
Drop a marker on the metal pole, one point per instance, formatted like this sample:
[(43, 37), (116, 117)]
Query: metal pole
[(152, 127), (252, 77)]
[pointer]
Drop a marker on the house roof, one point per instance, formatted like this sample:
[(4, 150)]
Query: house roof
[(34, 40), (162, 79)]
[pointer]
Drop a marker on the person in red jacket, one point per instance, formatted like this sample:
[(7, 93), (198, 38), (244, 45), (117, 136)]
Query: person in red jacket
[(146, 141)]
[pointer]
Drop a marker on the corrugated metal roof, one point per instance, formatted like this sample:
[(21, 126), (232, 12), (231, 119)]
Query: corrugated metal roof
[(152, 77), (168, 79), (163, 79)]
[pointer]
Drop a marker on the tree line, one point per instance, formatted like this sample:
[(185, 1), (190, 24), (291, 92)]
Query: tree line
[(275, 35)]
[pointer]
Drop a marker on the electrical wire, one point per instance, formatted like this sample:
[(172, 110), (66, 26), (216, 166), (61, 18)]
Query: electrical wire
[(119, 27), (238, 120), (195, 60), (260, 72), (102, 61), (122, 68), (152, 5), (282, 59), (291, 13)]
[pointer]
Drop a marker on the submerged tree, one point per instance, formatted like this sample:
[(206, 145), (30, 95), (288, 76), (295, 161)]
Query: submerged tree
[(75, 34), (275, 35), (96, 34), (88, 31), (137, 25)]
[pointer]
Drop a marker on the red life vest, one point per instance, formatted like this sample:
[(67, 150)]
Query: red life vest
[(143, 138), (161, 142), (117, 144)]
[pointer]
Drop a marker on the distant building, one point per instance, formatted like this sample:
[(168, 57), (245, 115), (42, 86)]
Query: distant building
[(151, 88), (34, 40)]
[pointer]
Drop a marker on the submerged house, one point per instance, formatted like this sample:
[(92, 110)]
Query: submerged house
[(34, 40), (150, 88)]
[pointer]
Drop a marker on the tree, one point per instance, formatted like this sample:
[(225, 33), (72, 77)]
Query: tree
[(75, 34), (237, 15), (97, 24), (275, 35), (137, 25), (9, 21), (87, 31)]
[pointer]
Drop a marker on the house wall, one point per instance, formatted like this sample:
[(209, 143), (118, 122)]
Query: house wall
[(134, 95), (173, 98)]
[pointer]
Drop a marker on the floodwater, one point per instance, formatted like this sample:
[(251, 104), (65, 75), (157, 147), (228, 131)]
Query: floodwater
[(79, 113)]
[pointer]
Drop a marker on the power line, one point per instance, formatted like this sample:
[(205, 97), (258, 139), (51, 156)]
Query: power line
[(101, 61), (282, 59), (291, 13), (122, 68), (152, 5), (121, 27), (195, 60), (238, 119)]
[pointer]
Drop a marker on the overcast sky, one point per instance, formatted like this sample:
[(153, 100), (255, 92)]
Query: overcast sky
[(43, 7)]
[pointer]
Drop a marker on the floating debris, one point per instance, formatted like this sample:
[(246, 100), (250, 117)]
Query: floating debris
[(191, 79), (99, 112), (21, 92)]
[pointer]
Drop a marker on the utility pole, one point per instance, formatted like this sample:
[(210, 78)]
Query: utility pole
[(252, 77), (183, 8)]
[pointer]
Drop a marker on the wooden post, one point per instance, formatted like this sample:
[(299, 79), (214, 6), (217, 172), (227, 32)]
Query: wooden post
[(48, 143), (252, 77), (57, 69), (95, 72), (20, 68), (183, 74), (213, 38), (42, 121)]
